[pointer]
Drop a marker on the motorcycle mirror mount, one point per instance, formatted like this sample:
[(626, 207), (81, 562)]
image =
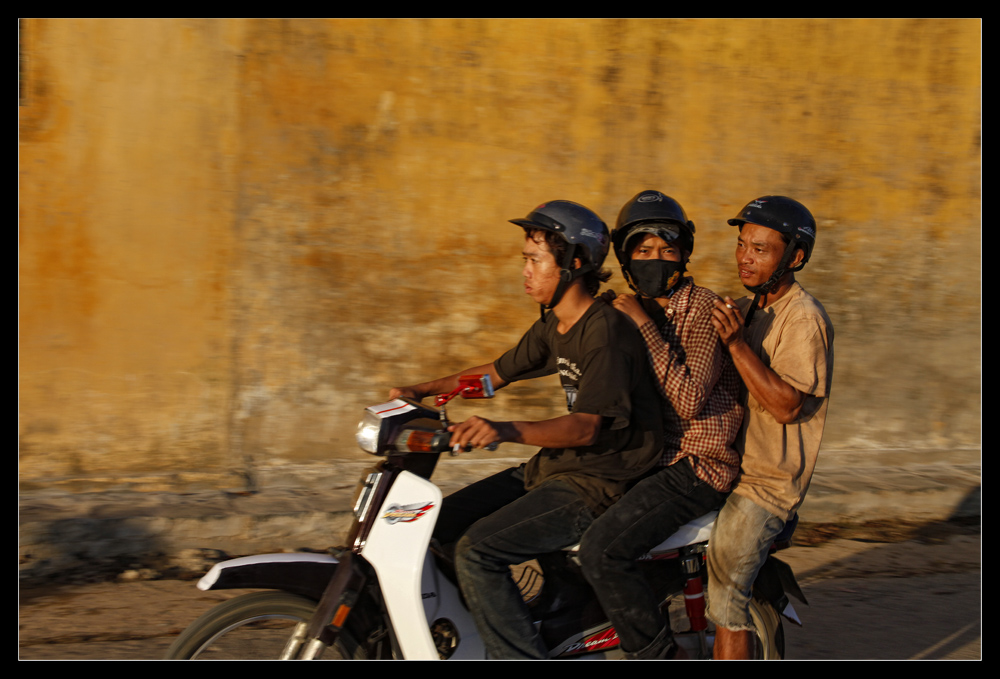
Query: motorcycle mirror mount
[(469, 386)]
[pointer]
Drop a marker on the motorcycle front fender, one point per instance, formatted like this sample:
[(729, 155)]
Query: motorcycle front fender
[(301, 573)]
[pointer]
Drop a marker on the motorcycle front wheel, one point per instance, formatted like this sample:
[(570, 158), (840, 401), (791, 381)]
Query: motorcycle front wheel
[(254, 626)]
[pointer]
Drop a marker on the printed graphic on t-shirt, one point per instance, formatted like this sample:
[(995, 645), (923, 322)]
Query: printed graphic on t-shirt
[(570, 396), (568, 369), (569, 374)]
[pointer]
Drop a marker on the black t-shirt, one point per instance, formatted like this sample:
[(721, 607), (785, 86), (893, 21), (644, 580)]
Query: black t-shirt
[(604, 370)]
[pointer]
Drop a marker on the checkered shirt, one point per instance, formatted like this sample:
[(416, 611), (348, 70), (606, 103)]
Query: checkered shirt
[(700, 385)]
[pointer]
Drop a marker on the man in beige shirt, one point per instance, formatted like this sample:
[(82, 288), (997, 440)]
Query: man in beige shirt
[(781, 342)]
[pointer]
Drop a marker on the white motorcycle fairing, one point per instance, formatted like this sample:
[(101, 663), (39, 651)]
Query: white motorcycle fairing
[(415, 593)]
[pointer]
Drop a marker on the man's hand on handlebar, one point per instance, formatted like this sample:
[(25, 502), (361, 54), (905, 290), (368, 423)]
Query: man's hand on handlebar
[(478, 432)]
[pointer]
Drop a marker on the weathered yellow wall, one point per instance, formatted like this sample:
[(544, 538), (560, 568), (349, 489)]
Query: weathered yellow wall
[(235, 234)]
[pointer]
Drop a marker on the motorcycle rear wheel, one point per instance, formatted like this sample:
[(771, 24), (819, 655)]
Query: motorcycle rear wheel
[(253, 626), (769, 634), (769, 631)]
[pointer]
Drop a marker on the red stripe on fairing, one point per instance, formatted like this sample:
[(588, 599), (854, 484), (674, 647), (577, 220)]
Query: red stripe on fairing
[(389, 410)]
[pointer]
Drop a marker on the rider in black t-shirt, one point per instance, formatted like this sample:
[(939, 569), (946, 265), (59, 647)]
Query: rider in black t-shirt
[(612, 433)]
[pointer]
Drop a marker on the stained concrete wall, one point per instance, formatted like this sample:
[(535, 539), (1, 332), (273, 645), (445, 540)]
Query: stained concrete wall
[(235, 234)]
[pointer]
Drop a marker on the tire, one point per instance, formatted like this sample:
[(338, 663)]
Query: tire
[(768, 630), (770, 633), (253, 627)]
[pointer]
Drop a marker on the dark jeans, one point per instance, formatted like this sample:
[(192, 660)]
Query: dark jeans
[(510, 526), (646, 516)]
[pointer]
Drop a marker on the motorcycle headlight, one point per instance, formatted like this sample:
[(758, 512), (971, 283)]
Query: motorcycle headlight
[(368, 431), (379, 429)]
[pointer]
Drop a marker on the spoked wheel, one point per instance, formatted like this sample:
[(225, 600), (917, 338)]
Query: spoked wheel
[(254, 626)]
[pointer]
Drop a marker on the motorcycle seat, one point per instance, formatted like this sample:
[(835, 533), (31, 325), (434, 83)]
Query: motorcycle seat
[(699, 530), (690, 533)]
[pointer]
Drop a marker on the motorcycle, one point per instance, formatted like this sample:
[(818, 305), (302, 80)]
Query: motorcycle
[(392, 592)]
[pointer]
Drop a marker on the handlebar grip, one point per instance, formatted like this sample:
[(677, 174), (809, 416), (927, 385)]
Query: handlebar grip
[(441, 442), (445, 444)]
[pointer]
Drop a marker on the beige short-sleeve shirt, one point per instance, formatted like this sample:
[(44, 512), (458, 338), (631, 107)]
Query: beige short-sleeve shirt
[(794, 336)]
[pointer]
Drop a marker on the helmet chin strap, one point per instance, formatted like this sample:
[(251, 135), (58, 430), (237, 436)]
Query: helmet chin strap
[(566, 276), (765, 287)]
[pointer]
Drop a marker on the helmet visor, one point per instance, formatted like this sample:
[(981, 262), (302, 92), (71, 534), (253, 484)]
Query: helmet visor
[(667, 231), (537, 220)]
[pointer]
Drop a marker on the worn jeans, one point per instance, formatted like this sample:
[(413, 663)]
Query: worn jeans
[(647, 515), (738, 547), (522, 525)]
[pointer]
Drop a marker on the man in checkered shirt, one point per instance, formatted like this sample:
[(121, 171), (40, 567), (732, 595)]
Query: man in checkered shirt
[(653, 240)]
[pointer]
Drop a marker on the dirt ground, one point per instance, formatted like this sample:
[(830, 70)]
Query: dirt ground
[(874, 593)]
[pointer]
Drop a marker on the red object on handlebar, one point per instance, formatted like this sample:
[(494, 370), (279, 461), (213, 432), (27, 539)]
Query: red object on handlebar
[(469, 386)]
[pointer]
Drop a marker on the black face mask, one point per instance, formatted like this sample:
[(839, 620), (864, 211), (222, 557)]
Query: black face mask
[(655, 277)]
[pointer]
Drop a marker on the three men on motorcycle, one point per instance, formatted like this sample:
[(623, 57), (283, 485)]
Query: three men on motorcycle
[(611, 435), (699, 352)]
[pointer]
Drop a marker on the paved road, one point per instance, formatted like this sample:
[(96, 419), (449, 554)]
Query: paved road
[(889, 601), (912, 599), (890, 618)]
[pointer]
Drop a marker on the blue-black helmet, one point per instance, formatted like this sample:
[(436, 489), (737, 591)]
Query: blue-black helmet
[(577, 224), (788, 217)]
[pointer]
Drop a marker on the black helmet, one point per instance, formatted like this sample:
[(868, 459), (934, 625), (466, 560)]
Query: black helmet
[(655, 213), (579, 225), (784, 215)]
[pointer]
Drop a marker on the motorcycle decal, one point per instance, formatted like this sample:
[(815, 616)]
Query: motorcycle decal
[(662, 556), (598, 642), (406, 513)]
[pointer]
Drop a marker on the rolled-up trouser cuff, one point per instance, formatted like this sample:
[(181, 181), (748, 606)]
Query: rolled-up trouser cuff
[(661, 648), (737, 549)]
